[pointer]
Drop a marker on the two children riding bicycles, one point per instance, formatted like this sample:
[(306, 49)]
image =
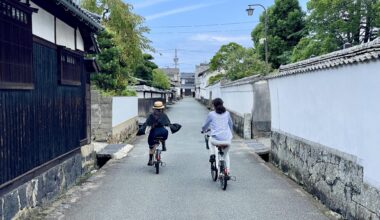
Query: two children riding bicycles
[(218, 122)]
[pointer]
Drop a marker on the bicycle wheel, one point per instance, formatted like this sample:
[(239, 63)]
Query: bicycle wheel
[(222, 176), (223, 182), (157, 165), (214, 171), (158, 161)]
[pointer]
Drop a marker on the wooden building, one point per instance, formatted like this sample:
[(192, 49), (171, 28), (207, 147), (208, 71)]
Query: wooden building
[(44, 85)]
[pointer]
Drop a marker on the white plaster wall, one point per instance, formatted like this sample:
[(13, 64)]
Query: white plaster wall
[(140, 95), (202, 86), (65, 35), (80, 42), (43, 24), (155, 95), (338, 108), (215, 89), (238, 98), (123, 109)]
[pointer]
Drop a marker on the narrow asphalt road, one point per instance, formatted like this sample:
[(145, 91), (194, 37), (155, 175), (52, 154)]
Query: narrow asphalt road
[(128, 189)]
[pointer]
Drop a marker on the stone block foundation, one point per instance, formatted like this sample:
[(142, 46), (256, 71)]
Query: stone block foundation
[(334, 177), (20, 202)]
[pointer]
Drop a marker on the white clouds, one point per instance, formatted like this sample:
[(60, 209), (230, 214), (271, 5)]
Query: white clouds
[(242, 39), (176, 11), (148, 3)]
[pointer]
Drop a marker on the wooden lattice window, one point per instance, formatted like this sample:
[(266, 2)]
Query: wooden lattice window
[(71, 66), (16, 44)]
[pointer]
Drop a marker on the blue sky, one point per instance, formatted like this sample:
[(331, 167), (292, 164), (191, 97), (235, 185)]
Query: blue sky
[(196, 28)]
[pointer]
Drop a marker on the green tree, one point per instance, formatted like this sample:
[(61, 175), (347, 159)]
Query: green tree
[(286, 26), (215, 79), (219, 60), (243, 63), (237, 61), (377, 21), (145, 70), (310, 47), (346, 20), (160, 80), (113, 78), (128, 28), (334, 23)]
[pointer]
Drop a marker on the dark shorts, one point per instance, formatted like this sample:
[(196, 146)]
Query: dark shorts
[(157, 132)]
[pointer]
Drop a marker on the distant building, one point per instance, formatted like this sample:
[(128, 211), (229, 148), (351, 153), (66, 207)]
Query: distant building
[(199, 71), (203, 78), (187, 84), (173, 74)]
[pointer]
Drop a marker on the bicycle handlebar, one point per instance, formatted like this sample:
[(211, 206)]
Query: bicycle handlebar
[(205, 131)]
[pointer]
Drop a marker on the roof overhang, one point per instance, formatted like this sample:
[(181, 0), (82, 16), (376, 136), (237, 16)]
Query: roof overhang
[(85, 16), (91, 65)]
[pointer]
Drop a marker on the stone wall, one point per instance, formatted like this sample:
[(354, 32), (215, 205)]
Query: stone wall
[(335, 178), (45, 188), (102, 129), (205, 102), (124, 131), (101, 116), (261, 113), (145, 105), (242, 124)]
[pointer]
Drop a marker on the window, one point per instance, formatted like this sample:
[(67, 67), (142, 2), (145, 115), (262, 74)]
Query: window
[(71, 66), (16, 44)]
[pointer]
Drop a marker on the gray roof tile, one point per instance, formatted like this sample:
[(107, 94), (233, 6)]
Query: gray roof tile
[(87, 17), (357, 54)]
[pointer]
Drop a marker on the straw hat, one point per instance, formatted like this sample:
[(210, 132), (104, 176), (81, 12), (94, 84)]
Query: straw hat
[(158, 105)]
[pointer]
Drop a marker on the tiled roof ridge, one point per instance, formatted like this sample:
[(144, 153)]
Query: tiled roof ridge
[(356, 54), (242, 81), (84, 15)]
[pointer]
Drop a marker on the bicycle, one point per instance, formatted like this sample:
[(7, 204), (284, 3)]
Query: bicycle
[(213, 168), (157, 162), (207, 138), (223, 172)]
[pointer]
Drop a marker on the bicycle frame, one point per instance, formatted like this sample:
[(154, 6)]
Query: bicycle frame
[(222, 166), (157, 156)]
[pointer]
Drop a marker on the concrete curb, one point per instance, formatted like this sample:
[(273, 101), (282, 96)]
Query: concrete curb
[(123, 152)]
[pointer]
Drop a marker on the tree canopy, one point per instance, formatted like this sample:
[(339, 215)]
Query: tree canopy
[(160, 80), (334, 23), (122, 44), (219, 60), (238, 62), (114, 75), (286, 26), (128, 28), (145, 69)]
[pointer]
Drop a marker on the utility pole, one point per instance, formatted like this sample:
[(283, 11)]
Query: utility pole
[(176, 59)]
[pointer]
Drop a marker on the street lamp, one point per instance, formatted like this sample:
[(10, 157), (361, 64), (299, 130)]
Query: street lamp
[(250, 10)]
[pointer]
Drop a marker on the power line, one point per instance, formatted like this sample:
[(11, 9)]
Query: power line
[(205, 25), (185, 50), (192, 32)]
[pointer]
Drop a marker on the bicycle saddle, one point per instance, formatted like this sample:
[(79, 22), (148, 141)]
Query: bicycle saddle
[(222, 146)]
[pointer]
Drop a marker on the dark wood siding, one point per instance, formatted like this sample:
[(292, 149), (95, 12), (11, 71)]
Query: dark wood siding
[(39, 125), (71, 66), (15, 46)]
